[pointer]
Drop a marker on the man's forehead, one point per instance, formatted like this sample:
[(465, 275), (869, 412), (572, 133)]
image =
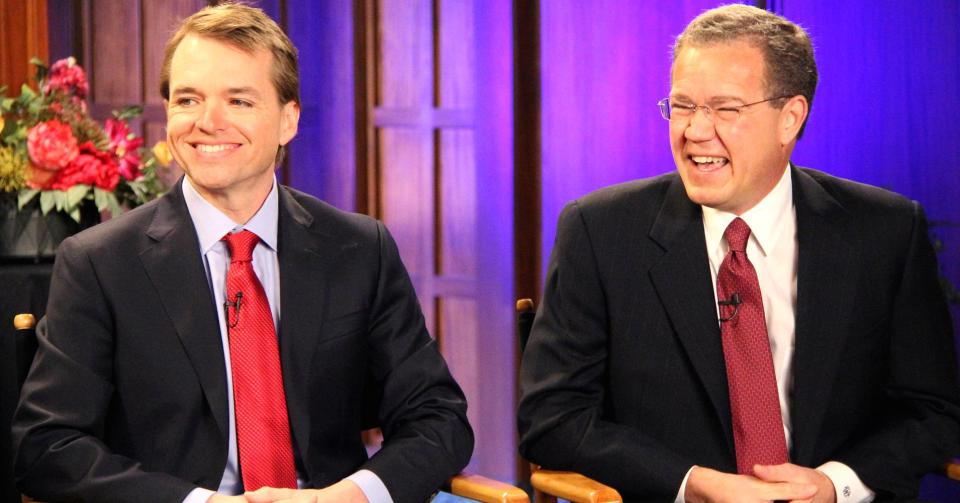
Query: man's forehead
[(738, 61), (193, 42)]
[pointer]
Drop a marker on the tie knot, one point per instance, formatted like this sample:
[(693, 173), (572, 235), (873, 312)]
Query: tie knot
[(241, 244), (737, 234)]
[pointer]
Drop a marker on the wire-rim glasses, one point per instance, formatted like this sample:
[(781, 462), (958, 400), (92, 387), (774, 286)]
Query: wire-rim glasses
[(724, 113)]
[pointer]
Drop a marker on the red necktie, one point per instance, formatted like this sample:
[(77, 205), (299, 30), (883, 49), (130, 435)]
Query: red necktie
[(754, 404), (263, 432)]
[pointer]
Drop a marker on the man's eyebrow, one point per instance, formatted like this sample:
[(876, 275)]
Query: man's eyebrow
[(244, 90), (714, 100), (726, 99), (184, 90)]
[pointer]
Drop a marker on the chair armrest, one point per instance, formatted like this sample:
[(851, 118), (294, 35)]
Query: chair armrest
[(953, 469), (573, 487), (486, 490)]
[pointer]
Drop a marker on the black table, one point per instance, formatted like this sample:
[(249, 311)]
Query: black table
[(23, 289)]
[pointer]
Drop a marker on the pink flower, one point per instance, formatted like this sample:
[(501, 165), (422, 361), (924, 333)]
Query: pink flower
[(67, 76), (126, 146), (51, 145), (90, 167)]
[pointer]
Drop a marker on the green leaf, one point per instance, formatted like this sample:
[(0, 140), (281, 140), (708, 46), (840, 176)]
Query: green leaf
[(75, 214), (25, 196), (76, 194), (26, 91), (114, 205), (36, 61), (100, 198), (34, 107), (128, 112), (48, 200), (60, 197)]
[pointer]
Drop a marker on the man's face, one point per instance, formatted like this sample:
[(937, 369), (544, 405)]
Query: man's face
[(224, 119), (728, 165)]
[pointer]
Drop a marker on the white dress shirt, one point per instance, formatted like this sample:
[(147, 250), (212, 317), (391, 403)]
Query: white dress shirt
[(211, 225), (772, 249)]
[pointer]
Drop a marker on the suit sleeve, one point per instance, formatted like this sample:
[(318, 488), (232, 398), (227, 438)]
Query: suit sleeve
[(561, 414), (919, 428), (421, 409), (60, 421)]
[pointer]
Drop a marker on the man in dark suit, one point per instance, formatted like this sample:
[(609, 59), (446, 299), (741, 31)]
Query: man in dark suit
[(145, 388), (744, 329)]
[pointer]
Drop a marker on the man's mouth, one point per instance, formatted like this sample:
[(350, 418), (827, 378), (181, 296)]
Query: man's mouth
[(709, 163), (210, 149)]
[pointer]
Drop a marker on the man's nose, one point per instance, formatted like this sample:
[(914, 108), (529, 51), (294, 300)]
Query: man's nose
[(702, 125), (213, 118)]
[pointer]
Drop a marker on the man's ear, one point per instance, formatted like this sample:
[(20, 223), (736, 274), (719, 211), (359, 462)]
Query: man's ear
[(792, 116), (289, 121)]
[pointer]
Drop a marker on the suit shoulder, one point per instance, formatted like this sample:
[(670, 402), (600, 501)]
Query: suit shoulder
[(861, 198), (333, 220)]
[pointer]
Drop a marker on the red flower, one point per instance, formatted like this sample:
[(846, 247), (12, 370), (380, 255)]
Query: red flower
[(51, 145), (126, 146), (90, 167), (67, 76)]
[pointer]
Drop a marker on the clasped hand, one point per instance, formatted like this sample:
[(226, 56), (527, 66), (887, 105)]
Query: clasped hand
[(344, 491), (786, 482)]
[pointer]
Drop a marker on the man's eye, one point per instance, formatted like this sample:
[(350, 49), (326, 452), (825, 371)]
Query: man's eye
[(185, 102), (241, 103), (682, 106)]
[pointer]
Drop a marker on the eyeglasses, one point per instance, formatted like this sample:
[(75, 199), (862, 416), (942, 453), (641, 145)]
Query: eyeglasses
[(725, 113)]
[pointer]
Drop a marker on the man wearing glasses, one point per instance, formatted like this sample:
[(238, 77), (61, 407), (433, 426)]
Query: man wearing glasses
[(743, 329)]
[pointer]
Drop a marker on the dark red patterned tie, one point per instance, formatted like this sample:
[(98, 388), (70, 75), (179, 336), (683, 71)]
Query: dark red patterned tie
[(263, 432), (754, 404)]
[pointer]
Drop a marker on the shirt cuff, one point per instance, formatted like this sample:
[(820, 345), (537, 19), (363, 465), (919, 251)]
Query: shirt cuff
[(371, 486), (683, 487), (198, 495), (849, 487)]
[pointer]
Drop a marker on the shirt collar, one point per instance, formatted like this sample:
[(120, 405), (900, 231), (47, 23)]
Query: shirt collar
[(763, 219), (212, 224)]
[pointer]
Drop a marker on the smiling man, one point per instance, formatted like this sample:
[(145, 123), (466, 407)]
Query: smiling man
[(230, 341), (744, 329)]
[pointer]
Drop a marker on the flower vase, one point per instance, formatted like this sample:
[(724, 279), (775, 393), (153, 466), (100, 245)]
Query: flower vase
[(28, 235)]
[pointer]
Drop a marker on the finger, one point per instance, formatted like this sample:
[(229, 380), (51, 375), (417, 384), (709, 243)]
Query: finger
[(788, 491), (268, 494), (785, 472)]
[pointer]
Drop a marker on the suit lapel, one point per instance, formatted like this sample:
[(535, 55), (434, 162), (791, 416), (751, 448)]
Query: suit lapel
[(682, 279), (305, 254), (175, 267), (823, 296)]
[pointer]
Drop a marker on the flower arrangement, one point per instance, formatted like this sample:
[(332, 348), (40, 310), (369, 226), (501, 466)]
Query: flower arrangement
[(51, 149)]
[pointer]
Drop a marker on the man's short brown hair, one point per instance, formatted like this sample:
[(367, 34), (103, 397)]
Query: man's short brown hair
[(789, 65), (247, 28)]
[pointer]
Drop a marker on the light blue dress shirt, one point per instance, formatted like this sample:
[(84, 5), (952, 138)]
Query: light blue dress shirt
[(211, 225)]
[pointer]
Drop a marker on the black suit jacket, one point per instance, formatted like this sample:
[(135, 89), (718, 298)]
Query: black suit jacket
[(126, 400), (623, 378)]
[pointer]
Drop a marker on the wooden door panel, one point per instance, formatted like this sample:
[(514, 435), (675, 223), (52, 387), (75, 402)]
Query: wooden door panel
[(114, 34), (458, 204), (455, 49), (405, 63)]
